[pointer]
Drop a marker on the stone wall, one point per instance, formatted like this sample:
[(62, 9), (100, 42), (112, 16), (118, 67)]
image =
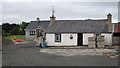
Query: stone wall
[(107, 38), (99, 42), (91, 42), (116, 41)]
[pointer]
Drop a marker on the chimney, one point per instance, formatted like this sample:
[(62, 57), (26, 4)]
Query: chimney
[(52, 18), (38, 19), (109, 20)]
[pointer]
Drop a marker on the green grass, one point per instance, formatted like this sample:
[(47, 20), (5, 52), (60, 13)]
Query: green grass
[(17, 36)]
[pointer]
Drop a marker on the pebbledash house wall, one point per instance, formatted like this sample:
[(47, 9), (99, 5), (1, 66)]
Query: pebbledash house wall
[(66, 41), (28, 36)]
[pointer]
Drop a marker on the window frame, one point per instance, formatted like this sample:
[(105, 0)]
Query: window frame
[(32, 33), (58, 40)]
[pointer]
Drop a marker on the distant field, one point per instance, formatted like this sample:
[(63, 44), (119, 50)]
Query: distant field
[(17, 36)]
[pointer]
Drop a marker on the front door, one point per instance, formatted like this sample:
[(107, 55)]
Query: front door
[(80, 39)]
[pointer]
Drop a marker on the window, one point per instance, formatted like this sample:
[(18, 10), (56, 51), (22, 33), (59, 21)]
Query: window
[(97, 34), (57, 37), (32, 32)]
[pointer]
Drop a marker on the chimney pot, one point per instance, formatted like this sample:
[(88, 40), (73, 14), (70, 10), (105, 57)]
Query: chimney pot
[(38, 19)]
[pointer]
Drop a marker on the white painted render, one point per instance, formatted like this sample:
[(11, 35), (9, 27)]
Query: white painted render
[(85, 37), (108, 38), (65, 40), (28, 36)]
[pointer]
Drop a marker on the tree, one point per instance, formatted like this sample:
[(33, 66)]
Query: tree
[(6, 27), (13, 26), (15, 30), (23, 26)]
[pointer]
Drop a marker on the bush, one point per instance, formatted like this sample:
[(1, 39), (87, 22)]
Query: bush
[(8, 34)]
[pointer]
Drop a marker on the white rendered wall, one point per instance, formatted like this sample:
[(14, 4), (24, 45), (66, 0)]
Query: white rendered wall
[(85, 37), (108, 38), (65, 40)]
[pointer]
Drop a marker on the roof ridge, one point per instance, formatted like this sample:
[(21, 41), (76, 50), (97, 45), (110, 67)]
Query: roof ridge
[(84, 20), (73, 20)]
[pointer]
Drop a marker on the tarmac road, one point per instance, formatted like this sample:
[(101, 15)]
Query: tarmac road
[(28, 55)]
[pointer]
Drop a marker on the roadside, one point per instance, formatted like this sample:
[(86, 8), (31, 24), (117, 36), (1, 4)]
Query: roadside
[(0, 58), (28, 54), (0, 51)]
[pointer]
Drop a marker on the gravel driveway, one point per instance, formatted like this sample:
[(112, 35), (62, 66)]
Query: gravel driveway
[(28, 55)]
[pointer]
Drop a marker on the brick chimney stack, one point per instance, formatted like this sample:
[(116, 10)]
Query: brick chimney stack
[(109, 20)]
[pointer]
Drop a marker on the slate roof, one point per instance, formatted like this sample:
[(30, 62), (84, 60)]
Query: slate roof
[(34, 24), (78, 26)]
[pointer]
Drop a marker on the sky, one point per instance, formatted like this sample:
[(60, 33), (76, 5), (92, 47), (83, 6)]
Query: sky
[(17, 12)]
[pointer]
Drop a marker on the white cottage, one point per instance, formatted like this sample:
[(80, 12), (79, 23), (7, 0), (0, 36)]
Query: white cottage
[(70, 32), (76, 32)]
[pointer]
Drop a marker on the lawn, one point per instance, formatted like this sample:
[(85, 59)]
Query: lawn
[(17, 36)]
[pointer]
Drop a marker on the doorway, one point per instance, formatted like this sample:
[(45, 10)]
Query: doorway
[(80, 39)]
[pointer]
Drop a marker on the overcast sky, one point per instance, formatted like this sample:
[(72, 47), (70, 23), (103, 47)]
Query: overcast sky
[(16, 12)]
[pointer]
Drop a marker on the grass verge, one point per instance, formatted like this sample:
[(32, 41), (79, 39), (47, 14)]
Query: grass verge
[(17, 36)]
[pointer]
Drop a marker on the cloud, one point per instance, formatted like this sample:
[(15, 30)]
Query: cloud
[(16, 12), (60, 0), (119, 12)]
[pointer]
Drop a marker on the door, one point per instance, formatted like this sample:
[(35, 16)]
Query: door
[(80, 39)]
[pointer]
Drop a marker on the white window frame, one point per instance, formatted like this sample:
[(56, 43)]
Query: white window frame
[(32, 33), (57, 37)]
